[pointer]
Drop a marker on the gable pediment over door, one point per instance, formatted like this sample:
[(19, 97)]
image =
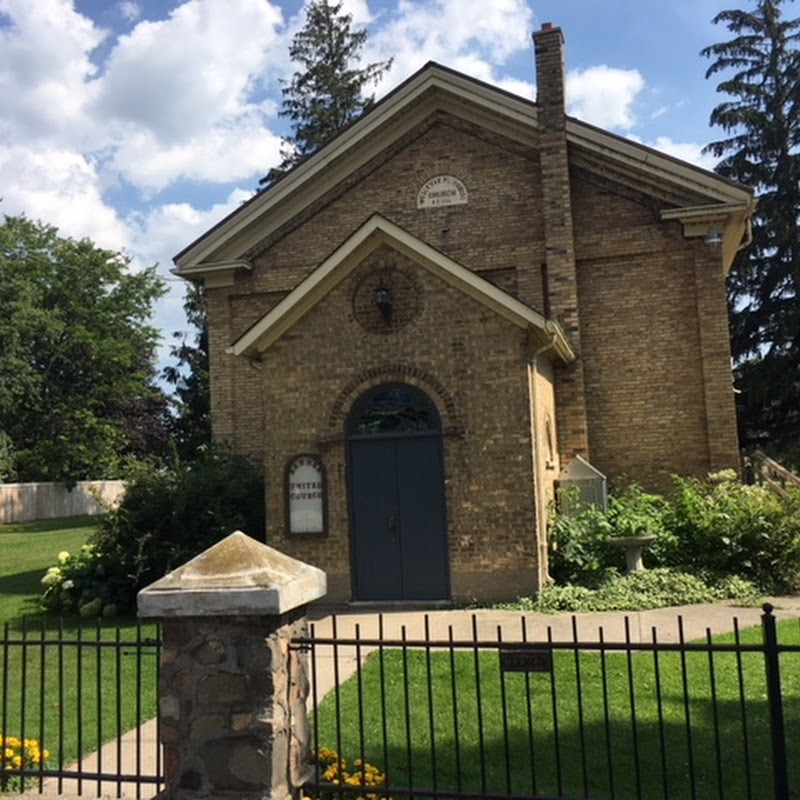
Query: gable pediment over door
[(379, 232)]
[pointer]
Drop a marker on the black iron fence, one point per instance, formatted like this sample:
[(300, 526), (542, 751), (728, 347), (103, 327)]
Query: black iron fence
[(460, 716), (72, 703), (453, 715)]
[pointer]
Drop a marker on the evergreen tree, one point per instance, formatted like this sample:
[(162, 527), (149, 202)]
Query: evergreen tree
[(191, 426), (760, 67), (325, 96)]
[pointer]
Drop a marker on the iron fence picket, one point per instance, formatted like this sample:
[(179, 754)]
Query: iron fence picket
[(743, 709), (662, 741)]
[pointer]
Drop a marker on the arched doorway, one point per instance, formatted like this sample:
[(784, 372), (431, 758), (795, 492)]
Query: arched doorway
[(397, 509)]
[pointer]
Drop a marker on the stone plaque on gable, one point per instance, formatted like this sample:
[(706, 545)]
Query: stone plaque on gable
[(442, 190)]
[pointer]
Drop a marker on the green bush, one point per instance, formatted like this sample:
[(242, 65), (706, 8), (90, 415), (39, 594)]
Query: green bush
[(581, 553), (725, 528), (165, 518), (716, 529)]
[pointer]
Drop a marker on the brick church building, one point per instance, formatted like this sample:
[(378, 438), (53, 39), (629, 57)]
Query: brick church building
[(422, 325)]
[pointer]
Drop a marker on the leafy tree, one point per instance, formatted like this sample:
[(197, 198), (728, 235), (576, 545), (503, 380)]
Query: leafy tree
[(191, 425), (325, 96), (77, 391), (760, 67)]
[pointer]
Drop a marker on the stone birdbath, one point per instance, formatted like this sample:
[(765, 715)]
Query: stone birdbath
[(634, 545)]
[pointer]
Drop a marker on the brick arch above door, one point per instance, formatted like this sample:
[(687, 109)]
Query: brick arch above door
[(365, 380)]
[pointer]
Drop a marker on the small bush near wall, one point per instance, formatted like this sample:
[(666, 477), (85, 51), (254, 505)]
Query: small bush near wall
[(165, 518), (713, 529), (581, 553)]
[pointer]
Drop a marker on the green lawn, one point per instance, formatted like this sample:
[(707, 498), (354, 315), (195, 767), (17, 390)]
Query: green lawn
[(578, 733), (27, 549), (66, 684)]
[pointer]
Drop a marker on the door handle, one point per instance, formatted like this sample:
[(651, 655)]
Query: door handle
[(392, 523)]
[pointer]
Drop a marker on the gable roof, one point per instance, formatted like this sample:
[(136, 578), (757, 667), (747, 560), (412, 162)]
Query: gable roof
[(436, 88), (373, 233)]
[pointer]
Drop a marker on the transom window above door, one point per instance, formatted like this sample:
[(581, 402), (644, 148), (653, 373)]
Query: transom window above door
[(397, 408)]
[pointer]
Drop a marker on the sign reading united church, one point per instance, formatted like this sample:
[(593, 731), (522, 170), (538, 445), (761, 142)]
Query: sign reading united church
[(305, 489)]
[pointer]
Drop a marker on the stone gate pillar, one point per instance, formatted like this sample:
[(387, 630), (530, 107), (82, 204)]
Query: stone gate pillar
[(232, 698)]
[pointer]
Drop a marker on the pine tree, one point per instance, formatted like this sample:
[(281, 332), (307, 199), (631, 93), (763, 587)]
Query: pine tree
[(191, 425), (323, 98), (760, 67)]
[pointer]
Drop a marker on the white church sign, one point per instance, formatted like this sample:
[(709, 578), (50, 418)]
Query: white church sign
[(305, 489)]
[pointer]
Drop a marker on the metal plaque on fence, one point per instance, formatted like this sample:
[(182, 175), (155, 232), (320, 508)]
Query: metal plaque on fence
[(526, 660)]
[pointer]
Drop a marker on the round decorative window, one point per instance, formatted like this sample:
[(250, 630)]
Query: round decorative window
[(387, 299)]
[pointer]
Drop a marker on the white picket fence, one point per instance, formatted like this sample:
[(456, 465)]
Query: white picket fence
[(20, 502)]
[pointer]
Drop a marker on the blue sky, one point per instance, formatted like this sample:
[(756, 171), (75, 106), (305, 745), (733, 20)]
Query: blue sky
[(140, 123)]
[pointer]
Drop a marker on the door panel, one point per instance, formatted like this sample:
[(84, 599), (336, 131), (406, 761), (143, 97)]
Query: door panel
[(398, 519), (423, 542), (376, 552)]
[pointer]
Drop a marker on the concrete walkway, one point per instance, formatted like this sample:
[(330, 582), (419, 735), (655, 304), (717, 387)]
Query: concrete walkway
[(140, 746)]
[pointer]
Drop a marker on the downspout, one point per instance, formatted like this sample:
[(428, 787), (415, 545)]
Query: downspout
[(748, 239), (539, 510)]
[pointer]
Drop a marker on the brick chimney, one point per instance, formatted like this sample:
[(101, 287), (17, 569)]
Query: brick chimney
[(559, 239)]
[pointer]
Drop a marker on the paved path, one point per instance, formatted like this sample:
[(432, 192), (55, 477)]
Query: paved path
[(140, 745)]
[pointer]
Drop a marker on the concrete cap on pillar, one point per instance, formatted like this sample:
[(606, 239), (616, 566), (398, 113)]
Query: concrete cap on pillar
[(237, 576)]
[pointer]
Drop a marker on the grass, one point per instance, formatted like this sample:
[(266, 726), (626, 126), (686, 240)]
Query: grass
[(27, 549), (70, 684), (579, 732)]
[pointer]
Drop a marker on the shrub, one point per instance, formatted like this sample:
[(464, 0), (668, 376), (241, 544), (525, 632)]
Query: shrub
[(716, 528), (165, 518), (725, 528), (581, 552), (85, 582)]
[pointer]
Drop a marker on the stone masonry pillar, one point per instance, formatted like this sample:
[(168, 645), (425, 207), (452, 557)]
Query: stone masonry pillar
[(232, 696), (562, 281)]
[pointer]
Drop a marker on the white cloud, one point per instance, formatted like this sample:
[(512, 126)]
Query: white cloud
[(178, 94), (129, 10), (160, 234), (474, 36), (167, 229), (59, 187), (44, 69), (193, 69), (220, 155), (604, 96), (686, 151)]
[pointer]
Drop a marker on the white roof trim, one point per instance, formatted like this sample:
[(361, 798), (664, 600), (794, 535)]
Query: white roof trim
[(375, 231), (234, 235), (658, 165)]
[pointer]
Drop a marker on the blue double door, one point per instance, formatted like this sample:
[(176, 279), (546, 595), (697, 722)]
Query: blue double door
[(397, 507)]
